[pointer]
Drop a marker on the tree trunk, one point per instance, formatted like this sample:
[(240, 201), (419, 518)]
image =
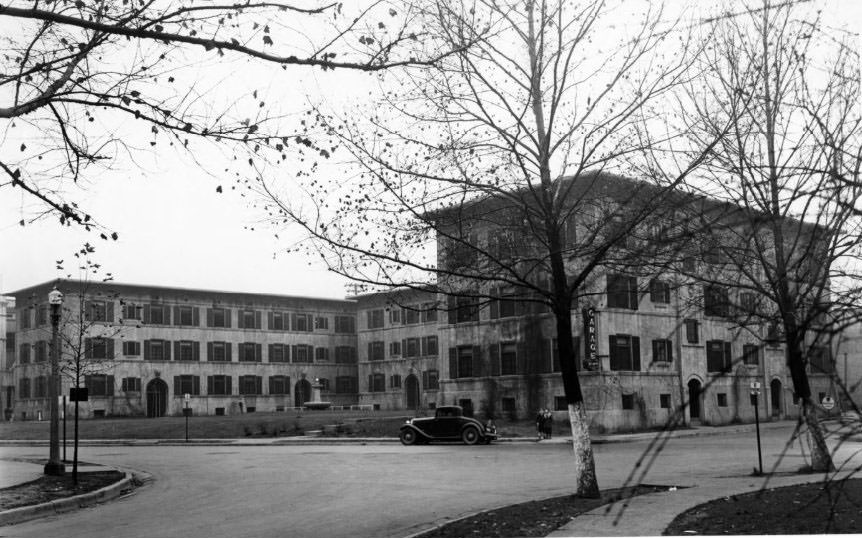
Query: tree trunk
[(585, 465), (821, 460)]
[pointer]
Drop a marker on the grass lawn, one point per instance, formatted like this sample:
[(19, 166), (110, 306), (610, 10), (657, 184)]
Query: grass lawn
[(341, 423)]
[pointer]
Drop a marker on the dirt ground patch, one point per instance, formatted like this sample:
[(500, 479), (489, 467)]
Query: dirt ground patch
[(50, 488), (534, 518), (834, 507)]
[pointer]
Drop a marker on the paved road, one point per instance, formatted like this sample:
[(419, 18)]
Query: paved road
[(374, 490)]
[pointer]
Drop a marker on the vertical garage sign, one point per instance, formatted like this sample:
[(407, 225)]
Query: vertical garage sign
[(591, 357)]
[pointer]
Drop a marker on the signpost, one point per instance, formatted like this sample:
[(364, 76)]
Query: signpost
[(828, 403), (187, 411), (591, 358), (755, 391)]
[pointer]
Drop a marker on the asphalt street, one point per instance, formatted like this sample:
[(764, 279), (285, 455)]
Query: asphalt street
[(374, 490)]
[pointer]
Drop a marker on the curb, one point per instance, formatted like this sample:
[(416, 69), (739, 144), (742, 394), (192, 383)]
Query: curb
[(58, 506)]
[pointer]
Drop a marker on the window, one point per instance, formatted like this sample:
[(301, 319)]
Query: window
[(219, 351), (375, 319), (156, 314), (132, 311), (395, 381), (186, 316), (692, 332), (509, 407), (42, 315), (345, 385), (508, 359), (659, 291), (24, 387), (461, 361), (718, 356), (395, 316), (345, 324), (466, 310), (279, 353), (552, 354), (820, 359), (662, 350), (664, 401), (751, 354), (186, 350), (429, 346), (748, 303), (431, 379), (394, 349), (99, 385), (248, 319), (345, 355), (505, 304), (277, 321), (250, 385), (187, 384), (560, 403), (721, 398), (157, 350), (131, 384), (625, 353), (279, 384), (628, 401), (376, 383), (460, 252), (249, 352), (218, 317), (99, 348), (622, 292), (301, 322), (376, 350), (429, 313), (321, 354), (97, 311), (715, 301), (10, 342), (303, 353), (411, 347), (321, 323), (132, 349), (24, 354), (40, 387), (41, 351), (219, 385), (411, 316), (24, 318)]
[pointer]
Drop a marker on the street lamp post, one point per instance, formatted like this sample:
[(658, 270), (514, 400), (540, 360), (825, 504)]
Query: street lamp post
[(55, 467)]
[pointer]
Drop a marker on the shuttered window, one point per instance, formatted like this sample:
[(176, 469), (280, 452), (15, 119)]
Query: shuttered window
[(624, 353)]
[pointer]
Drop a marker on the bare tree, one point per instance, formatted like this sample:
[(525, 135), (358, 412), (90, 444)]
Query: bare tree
[(75, 75), (789, 168), (487, 177)]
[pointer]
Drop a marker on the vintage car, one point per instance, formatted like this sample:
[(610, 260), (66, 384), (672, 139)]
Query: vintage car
[(447, 424)]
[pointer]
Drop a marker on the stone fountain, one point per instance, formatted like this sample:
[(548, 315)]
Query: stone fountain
[(315, 403)]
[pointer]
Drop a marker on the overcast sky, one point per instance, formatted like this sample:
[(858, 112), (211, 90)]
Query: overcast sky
[(175, 230)]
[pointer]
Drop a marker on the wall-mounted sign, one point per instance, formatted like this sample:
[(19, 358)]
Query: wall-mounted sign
[(591, 352)]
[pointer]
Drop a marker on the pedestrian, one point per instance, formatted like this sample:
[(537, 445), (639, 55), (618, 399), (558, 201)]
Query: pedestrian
[(540, 424), (549, 423)]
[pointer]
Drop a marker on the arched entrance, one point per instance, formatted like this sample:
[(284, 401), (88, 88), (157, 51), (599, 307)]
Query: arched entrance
[(411, 392), (157, 398), (694, 394), (775, 396), (301, 392)]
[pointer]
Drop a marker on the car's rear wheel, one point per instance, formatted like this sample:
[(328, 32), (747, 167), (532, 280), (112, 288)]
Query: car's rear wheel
[(408, 437), (470, 435)]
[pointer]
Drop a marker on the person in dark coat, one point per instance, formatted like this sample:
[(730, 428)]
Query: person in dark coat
[(540, 424), (548, 423)]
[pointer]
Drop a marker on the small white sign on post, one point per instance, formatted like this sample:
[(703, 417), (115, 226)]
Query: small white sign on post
[(827, 402), (187, 398), (755, 385)]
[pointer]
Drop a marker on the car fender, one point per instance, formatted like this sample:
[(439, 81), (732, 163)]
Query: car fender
[(419, 432)]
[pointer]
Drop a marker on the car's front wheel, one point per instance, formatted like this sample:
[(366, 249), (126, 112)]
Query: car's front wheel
[(470, 435), (408, 437)]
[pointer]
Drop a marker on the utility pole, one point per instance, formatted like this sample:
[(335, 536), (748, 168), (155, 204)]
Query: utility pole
[(55, 467)]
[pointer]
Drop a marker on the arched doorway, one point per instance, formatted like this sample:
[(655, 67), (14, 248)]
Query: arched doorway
[(694, 394), (301, 392), (411, 392), (157, 398), (775, 396)]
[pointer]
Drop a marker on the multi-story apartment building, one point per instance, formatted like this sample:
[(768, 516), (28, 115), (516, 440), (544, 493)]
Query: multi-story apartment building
[(139, 349), (399, 349)]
